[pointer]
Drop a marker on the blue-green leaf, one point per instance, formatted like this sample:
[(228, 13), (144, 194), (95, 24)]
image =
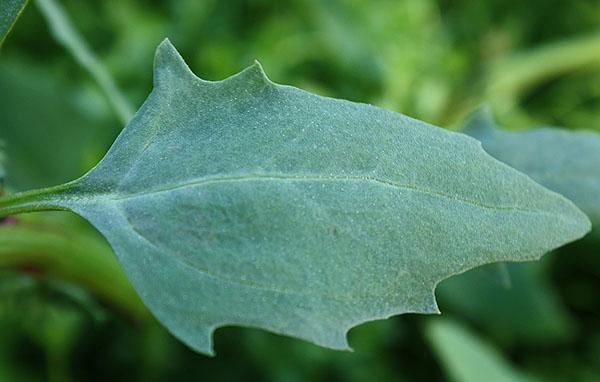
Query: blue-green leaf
[(10, 10), (243, 202)]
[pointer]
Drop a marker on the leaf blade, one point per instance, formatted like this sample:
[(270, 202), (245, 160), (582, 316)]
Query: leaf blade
[(243, 202)]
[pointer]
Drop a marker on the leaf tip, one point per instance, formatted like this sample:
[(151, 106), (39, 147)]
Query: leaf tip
[(573, 224), (580, 221), (169, 65), (253, 76)]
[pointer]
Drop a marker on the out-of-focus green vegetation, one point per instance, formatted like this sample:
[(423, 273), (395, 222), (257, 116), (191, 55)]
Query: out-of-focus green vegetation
[(66, 312)]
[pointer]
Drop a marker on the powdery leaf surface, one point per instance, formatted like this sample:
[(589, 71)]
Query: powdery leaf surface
[(243, 202), (9, 13)]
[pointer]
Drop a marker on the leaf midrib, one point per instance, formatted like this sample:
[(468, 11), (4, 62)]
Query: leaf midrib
[(204, 181), (311, 178)]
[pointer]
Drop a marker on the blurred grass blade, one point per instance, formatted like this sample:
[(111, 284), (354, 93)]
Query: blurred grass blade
[(2, 170), (65, 33), (512, 75), (10, 10), (56, 245), (467, 358)]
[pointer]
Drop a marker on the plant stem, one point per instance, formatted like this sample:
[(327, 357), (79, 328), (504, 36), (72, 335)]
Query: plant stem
[(521, 71), (65, 33), (45, 199)]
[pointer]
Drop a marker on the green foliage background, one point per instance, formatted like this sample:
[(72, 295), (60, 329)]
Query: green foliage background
[(67, 313)]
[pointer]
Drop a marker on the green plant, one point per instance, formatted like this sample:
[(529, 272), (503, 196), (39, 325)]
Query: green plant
[(243, 202)]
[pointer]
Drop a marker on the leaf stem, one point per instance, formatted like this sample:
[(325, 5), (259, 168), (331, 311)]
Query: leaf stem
[(44, 199)]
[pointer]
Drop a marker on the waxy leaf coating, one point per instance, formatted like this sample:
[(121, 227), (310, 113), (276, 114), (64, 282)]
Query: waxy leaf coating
[(567, 162), (243, 202), (10, 10)]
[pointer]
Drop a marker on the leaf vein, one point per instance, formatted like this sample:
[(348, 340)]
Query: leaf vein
[(206, 181)]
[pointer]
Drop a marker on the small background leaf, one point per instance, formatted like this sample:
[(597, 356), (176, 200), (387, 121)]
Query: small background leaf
[(526, 311), (468, 358), (65, 33), (566, 162)]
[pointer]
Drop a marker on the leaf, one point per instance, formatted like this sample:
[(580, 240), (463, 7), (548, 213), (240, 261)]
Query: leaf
[(528, 311), (467, 358), (510, 76), (57, 245), (2, 170), (65, 33), (10, 10), (564, 161), (243, 202), (58, 129)]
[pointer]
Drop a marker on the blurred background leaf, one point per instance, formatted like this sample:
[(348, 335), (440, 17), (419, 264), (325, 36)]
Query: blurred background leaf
[(467, 358), (522, 309), (65, 34), (564, 161)]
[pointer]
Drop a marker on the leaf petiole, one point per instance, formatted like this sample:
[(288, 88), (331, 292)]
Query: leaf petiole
[(44, 199)]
